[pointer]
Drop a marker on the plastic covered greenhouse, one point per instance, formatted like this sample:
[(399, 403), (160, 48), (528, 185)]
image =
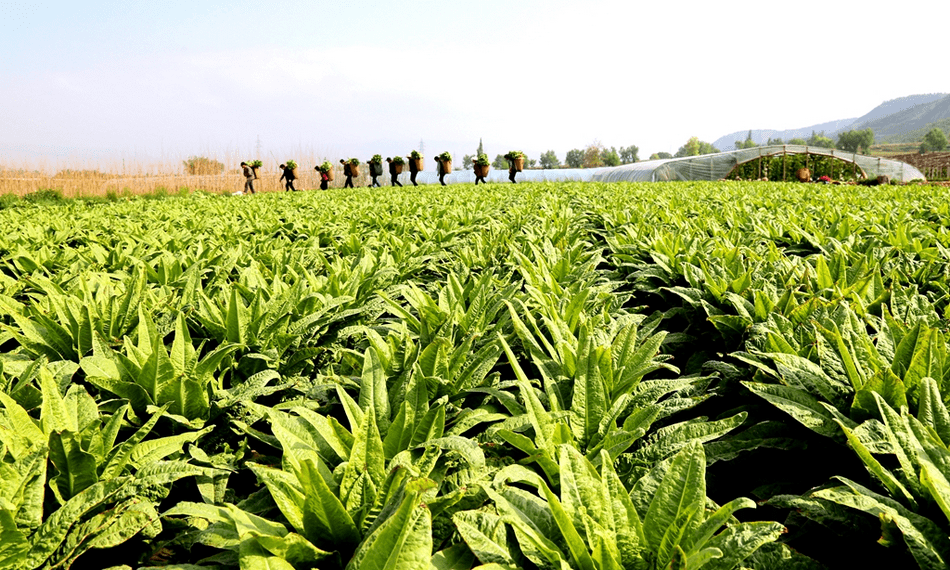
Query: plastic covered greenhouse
[(704, 167)]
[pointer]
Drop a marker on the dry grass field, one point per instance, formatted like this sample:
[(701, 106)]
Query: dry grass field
[(78, 178)]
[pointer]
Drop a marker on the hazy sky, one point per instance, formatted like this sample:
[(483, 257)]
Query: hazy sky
[(176, 78)]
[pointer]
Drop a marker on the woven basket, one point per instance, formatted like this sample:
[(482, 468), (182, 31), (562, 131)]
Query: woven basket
[(482, 171), (293, 172), (330, 175), (519, 164), (446, 166), (257, 172), (415, 164), (354, 170), (375, 169), (398, 168), (803, 175)]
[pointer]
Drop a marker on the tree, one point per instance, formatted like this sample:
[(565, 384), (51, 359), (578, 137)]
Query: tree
[(660, 155), (935, 139), (820, 140), (500, 163), (467, 160), (481, 149), (574, 158), (530, 162), (610, 157), (778, 142), (854, 141), (592, 155), (549, 160), (696, 147), (628, 154), (801, 142), (202, 165), (747, 143)]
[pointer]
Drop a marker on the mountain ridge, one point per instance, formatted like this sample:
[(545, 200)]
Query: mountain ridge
[(900, 115)]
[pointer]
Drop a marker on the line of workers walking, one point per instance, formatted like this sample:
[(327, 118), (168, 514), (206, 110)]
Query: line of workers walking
[(289, 176)]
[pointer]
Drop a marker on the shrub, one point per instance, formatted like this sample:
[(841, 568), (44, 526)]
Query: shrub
[(8, 201), (44, 195), (202, 165)]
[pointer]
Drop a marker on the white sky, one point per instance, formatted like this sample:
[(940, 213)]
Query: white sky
[(174, 78)]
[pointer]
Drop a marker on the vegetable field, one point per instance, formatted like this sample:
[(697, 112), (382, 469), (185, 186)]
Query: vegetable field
[(586, 376)]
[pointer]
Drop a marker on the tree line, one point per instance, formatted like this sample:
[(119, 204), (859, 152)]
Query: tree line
[(596, 155), (593, 156), (856, 141)]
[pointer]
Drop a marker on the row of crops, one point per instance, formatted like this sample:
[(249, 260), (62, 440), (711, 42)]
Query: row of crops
[(579, 375)]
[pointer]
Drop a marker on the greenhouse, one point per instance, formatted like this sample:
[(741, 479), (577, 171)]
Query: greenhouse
[(703, 167), (720, 165)]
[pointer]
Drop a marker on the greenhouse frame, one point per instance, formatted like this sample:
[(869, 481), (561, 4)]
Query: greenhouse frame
[(720, 165)]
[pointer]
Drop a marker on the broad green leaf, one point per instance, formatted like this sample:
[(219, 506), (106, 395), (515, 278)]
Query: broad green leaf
[(325, 520), (802, 406), (738, 542), (924, 539), (374, 393), (485, 535), (285, 489), (680, 497), (54, 415), (76, 468), (404, 540), (590, 395), (254, 556)]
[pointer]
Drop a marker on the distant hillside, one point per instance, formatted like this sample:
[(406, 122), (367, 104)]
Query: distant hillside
[(908, 120), (889, 117), (762, 136), (898, 105), (918, 135)]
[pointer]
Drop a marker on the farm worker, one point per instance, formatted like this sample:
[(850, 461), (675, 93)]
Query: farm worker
[(441, 170), (248, 178), (511, 171), (324, 178), (477, 177), (375, 170), (412, 172), (392, 172), (348, 172), (288, 175)]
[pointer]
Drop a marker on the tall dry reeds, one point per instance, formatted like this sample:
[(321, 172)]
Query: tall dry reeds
[(75, 177)]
